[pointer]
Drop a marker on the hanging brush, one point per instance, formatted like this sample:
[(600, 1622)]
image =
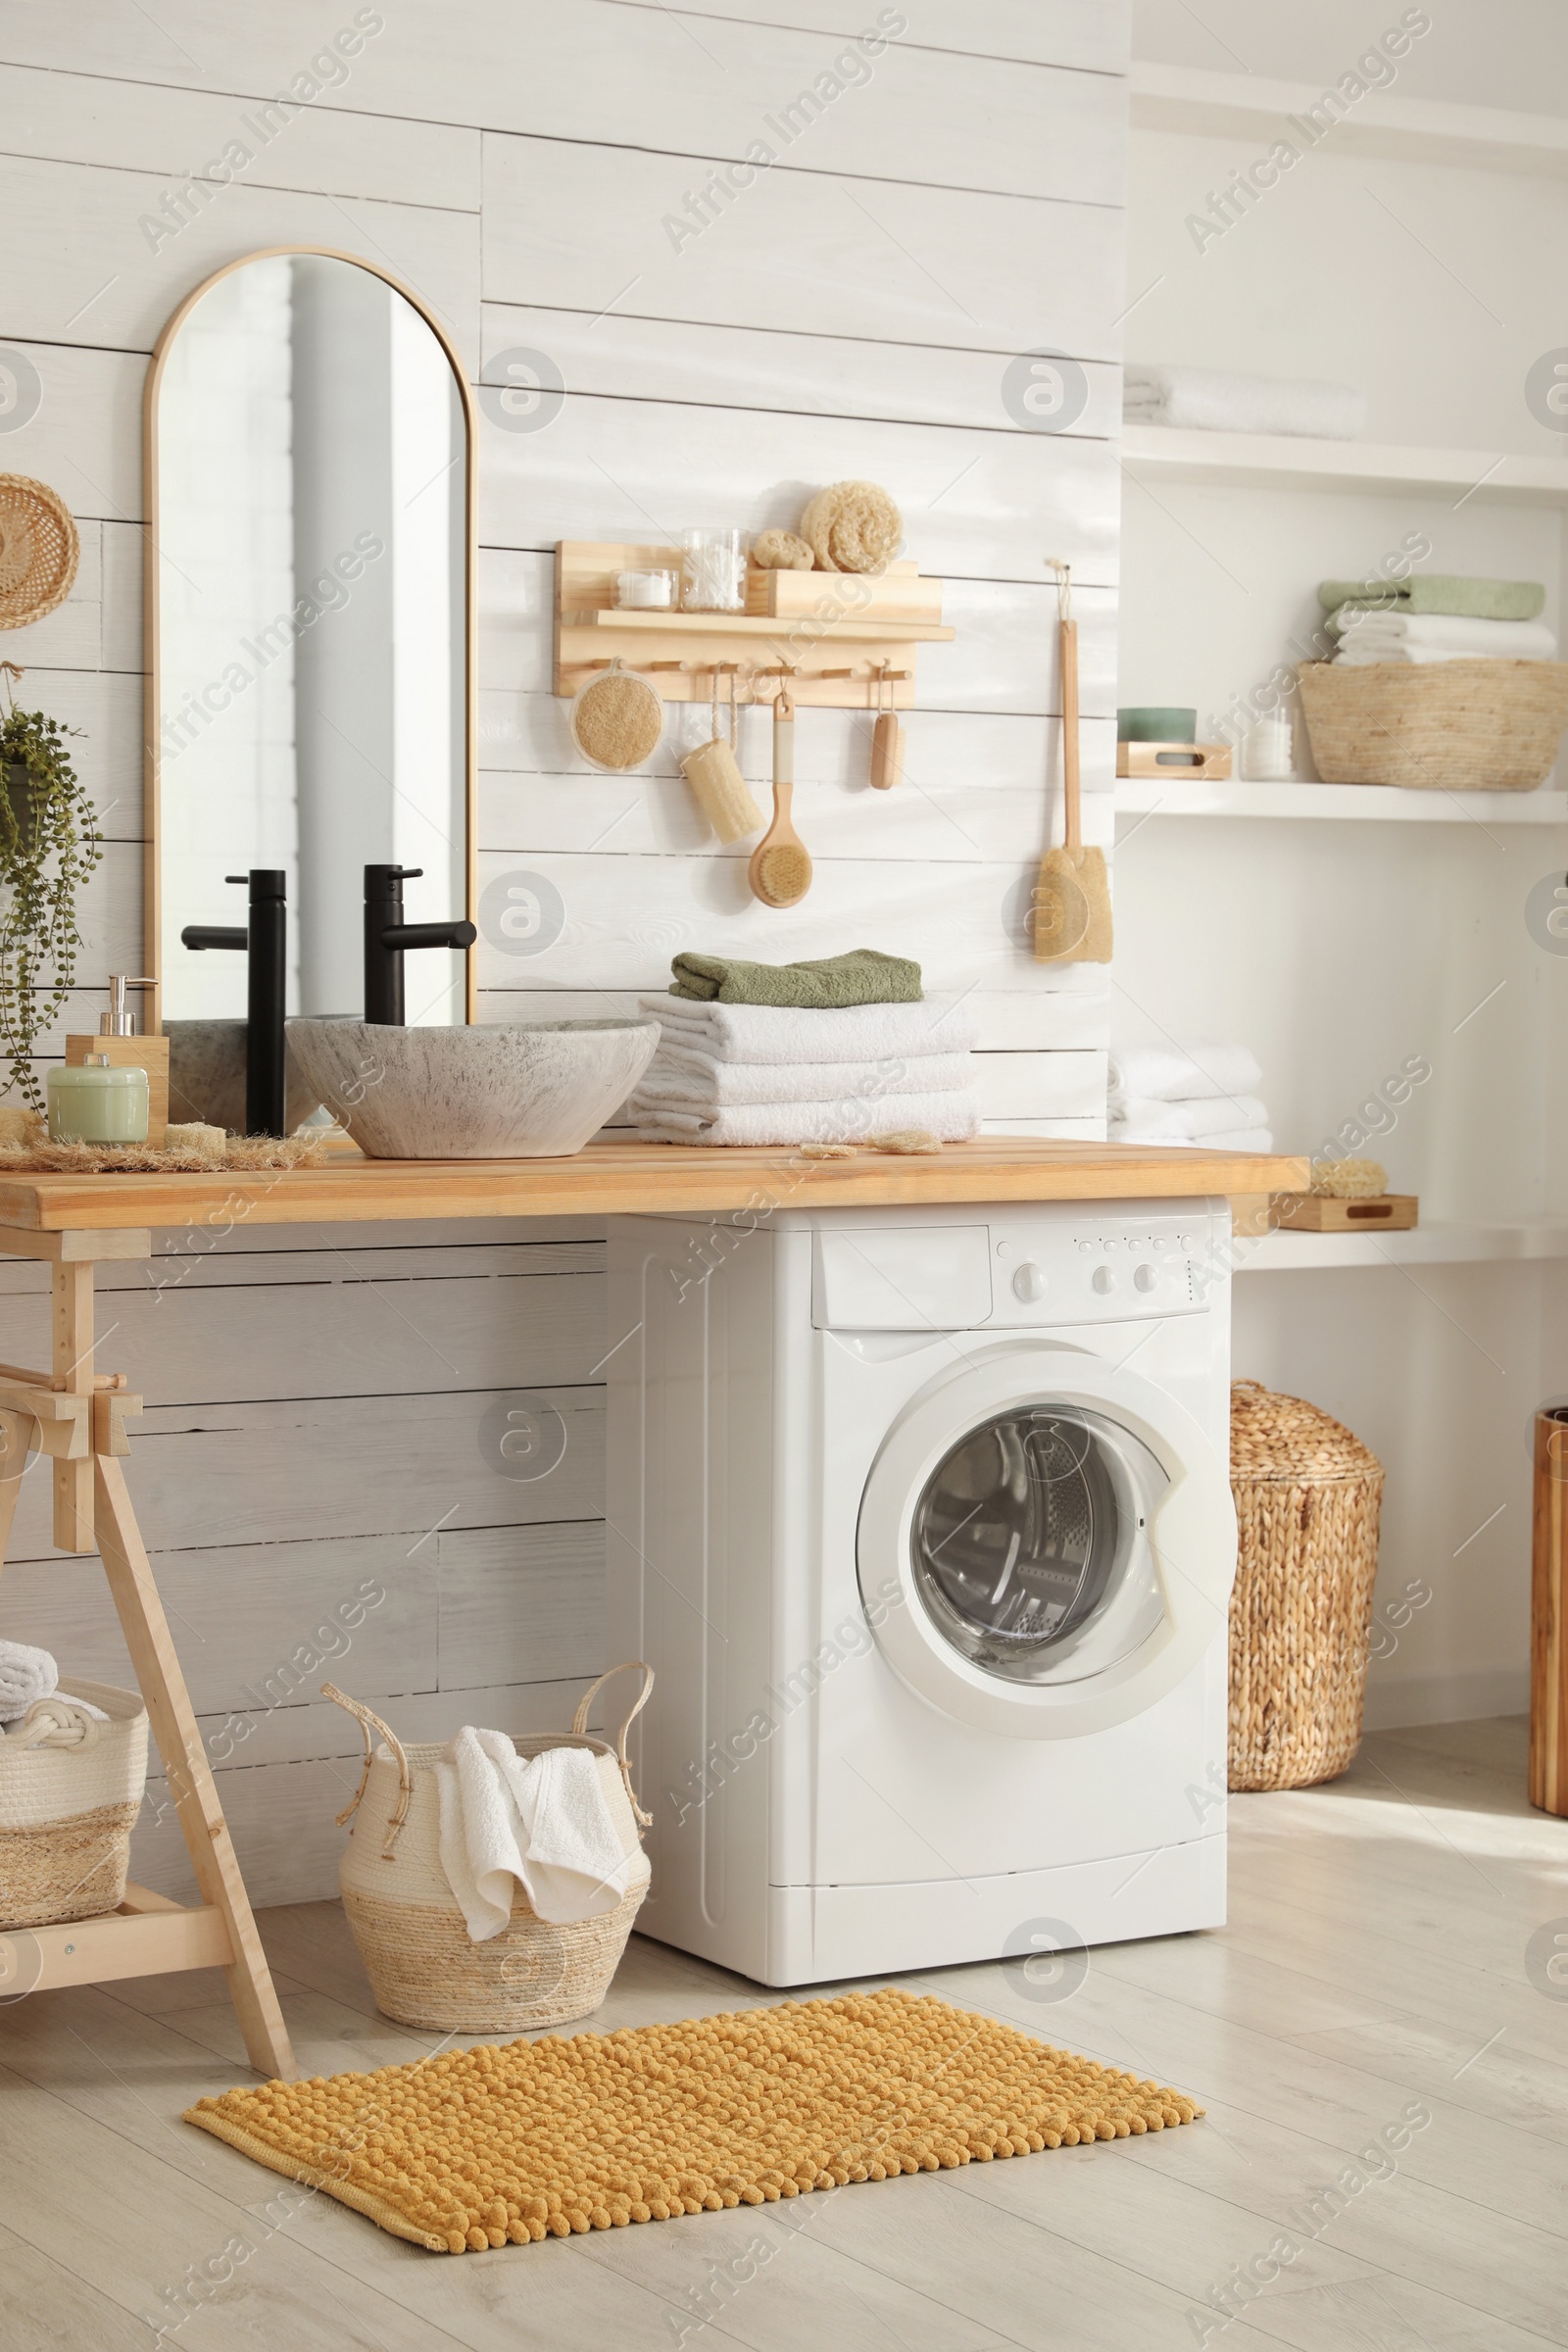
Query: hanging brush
[(780, 871), (1072, 892)]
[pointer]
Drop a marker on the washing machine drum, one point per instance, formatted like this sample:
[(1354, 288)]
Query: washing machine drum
[(1045, 1557), (1023, 1531)]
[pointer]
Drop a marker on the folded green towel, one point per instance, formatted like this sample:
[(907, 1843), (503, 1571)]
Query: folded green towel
[(864, 976), (1438, 591)]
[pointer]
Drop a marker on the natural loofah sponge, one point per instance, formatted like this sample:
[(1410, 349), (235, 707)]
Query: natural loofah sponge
[(852, 526), (466, 2149), (1349, 1179), (781, 551)]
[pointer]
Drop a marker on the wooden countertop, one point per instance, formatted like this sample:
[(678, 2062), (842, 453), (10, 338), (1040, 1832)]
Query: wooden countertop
[(615, 1178)]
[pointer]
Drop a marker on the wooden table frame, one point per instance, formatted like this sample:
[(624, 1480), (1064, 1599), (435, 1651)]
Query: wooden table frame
[(77, 1419), (76, 1415)]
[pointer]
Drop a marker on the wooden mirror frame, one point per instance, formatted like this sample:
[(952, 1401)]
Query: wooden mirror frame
[(152, 684)]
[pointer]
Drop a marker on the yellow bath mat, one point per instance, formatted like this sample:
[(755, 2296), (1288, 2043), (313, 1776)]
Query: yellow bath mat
[(539, 2139)]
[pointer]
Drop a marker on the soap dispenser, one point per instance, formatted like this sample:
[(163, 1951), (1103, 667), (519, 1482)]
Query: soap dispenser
[(118, 1045)]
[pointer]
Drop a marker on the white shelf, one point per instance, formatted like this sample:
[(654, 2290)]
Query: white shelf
[(1526, 1238), (1381, 803), (1235, 106), (1287, 461)]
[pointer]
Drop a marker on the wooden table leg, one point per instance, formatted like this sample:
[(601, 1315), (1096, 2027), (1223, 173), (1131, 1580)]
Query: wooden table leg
[(72, 1371), (191, 1779)]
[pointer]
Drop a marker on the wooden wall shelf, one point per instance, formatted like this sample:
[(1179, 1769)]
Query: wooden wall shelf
[(837, 649)]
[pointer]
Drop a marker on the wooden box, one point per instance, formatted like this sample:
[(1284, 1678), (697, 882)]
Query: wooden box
[(1176, 763), (899, 593), (1318, 1213)]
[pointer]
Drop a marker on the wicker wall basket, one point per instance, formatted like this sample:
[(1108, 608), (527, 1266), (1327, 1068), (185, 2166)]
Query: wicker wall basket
[(413, 1937), (1476, 726), (1307, 1496), (70, 1789)]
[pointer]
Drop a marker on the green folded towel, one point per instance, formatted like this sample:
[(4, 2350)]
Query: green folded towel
[(1438, 591), (864, 976)]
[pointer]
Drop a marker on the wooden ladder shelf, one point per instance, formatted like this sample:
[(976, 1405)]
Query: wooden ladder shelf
[(77, 1419)]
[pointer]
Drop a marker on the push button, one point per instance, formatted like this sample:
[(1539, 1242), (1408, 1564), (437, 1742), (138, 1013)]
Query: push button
[(1029, 1282), (1146, 1278), (1104, 1280)]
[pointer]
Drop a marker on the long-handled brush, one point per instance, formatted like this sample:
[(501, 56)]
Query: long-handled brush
[(1072, 892)]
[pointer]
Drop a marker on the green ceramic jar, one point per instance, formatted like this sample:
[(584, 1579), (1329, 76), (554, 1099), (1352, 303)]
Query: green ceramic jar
[(97, 1104)]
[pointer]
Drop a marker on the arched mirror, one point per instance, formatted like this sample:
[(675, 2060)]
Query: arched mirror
[(310, 631)]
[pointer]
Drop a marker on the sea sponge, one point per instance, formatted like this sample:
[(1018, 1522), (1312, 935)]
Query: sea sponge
[(905, 1139), (781, 551), (852, 526)]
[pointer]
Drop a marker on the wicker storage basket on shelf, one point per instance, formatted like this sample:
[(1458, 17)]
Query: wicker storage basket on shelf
[(1308, 1495), (1476, 726), (70, 1789), (413, 1939)]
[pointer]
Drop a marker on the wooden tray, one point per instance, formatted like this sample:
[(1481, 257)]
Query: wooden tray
[(1318, 1213)]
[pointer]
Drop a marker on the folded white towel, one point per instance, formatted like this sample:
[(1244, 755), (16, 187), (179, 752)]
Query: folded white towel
[(1182, 1072), (543, 1824), (679, 1080), (1240, 1138), (1146, 1119), (787, 1033), (951, 1117), (1209, 400), (25, 1674), (1451, 635)]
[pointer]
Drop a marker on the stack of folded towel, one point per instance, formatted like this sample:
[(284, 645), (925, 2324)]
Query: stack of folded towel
[(766, 1060), (1203, 399), (1179, 1094), (1439, 618)]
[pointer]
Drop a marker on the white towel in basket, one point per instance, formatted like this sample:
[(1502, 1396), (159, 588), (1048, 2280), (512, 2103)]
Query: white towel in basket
[(542, 1822), (25, 1674)]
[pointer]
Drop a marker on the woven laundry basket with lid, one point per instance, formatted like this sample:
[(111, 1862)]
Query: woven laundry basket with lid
[(413, 1939), (71, 1788), (1307, 1496)]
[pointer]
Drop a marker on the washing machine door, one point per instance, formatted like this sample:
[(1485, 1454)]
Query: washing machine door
[(1058, 1540)]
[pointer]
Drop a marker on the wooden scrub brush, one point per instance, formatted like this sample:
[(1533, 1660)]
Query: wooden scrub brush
[(1072, 893), (780, 871)]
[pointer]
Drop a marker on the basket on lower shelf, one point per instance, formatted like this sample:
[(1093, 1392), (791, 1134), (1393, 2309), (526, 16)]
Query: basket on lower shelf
[(1307, 1496), (1478, 726), (71, 1788), (424, 1969)]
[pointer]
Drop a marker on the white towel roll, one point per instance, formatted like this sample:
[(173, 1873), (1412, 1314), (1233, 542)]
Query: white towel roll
[(25, 1674)]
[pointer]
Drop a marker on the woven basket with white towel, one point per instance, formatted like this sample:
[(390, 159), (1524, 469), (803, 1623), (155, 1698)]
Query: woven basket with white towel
[(416, 1930), (72, 1778)]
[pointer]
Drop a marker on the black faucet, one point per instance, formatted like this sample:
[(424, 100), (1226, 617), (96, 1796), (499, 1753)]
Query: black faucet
[(387, 936), (266, 941)]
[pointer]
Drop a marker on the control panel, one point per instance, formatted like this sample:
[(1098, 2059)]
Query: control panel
[(1098, 1269)]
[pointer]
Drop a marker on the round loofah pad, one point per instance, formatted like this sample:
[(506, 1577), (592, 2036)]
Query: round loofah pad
[(617, 720), (478, 2147), (781, 551), (1349, 1179), (905, 1139), (852, 526), (39, 551)]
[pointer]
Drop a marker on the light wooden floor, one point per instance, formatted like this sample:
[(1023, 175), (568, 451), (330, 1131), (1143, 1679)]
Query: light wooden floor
[(1377, 1963)]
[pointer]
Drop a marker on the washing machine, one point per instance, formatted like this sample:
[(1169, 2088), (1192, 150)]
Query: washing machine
[(924, 1518)]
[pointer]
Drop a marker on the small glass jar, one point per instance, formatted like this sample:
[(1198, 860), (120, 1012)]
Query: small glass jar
[(647, 591), (714, 572), (97, 1103)]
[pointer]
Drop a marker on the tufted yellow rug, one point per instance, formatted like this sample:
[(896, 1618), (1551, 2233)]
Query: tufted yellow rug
[(539, 2139)]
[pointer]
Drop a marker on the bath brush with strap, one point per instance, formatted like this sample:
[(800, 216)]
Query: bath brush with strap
[(1072, 894)]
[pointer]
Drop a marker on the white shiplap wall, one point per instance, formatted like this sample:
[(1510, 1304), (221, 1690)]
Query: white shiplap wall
[(317, 1400)]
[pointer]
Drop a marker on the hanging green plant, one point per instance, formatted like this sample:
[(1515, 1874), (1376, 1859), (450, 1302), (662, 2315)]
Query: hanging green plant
[(48, 847)]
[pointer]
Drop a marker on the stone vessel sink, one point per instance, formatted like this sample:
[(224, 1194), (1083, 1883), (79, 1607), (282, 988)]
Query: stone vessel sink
[(513, 1091), (207, 1076)]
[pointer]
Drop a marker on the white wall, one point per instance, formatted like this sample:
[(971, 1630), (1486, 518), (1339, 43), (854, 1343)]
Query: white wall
[(1337, 950), (319, 1401)]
